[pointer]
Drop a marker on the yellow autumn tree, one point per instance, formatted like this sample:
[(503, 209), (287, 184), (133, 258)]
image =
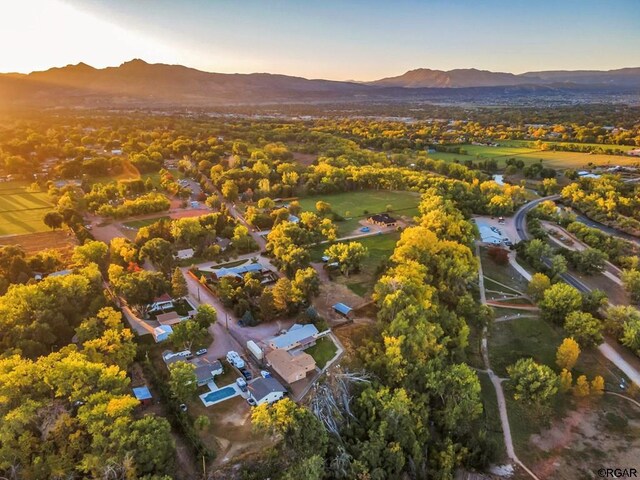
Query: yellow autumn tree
[(566, 380), (581, 388), (597, 385), (567, 354)]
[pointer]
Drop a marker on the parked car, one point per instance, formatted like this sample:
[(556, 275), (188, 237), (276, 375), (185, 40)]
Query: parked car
[(246, 373), (251, 402), (183, 407), (202, 351), (265, 374), (234, 359), (242, 383), (507, 242)]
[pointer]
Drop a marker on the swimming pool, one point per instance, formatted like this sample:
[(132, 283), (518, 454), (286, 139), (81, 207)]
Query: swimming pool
[(218, 395)]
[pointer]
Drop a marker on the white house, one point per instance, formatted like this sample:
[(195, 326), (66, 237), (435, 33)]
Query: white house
[(266, 390)]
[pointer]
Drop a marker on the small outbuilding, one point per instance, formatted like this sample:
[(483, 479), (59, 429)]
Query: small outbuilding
[(342, 309), (143, 395)]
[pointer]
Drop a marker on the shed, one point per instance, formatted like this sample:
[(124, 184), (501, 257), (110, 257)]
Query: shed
[(342, 309), (143, 395), (382, 220)]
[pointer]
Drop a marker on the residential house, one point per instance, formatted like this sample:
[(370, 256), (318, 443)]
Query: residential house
[(206, 370), (291, 366), (223, 243), (382, 220), (298, 336), (239, 271), (266, 390)]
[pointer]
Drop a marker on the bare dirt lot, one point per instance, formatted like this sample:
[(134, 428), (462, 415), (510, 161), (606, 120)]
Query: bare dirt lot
[(60, 240), (602, 434)]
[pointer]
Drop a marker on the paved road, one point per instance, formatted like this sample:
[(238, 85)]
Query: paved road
[(606, 348)]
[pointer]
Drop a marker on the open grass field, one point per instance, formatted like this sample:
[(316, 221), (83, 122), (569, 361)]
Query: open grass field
[(145, 222), (553, 159), (356, 206), (21, 211), (380, 248)]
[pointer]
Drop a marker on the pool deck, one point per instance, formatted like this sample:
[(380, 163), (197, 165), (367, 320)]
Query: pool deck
[(207, 403)]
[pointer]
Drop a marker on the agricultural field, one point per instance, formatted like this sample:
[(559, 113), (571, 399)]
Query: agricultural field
[(380, 248), (356, 206), (21, 211), (549, 158)]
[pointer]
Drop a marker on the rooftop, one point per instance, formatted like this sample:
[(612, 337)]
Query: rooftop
[(342, 308), (262, 387), (238, 271), (142, 393), (296, 334), (382, 218)]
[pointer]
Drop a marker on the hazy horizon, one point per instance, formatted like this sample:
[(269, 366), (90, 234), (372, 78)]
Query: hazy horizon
[(352, 40)]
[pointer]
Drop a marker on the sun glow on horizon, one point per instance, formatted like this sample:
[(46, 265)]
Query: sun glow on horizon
[(40, 34)]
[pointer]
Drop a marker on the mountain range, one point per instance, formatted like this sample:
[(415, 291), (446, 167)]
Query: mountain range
[(139, 83)]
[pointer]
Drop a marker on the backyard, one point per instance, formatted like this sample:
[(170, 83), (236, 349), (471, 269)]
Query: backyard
[(323, 351), (380, 248)]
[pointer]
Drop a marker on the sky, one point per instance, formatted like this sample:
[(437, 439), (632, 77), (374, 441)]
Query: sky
[(333, 39)]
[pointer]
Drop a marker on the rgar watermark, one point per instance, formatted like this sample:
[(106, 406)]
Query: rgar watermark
[(617, 472)]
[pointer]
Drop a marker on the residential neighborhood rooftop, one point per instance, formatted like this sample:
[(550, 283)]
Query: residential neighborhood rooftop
[(296, 334)]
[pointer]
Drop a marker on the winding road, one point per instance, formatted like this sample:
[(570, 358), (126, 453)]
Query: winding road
[(606, 348)]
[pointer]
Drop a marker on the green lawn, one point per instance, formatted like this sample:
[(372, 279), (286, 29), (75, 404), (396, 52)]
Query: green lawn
[(137, 224), (514, 149), (505, 274), (323, 351), (525, 337), (21, 212), (380, 248), (353, 205)]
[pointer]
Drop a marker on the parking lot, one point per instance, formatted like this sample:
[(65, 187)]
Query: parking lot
[(495, 230)]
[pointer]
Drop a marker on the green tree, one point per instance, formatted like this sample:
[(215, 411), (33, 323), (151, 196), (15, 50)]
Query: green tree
[(230, 190), (558, 301), (349, 256), (182, 381), (631, 282), (302, 432), (205, 315), (533, 384), (590, 261), (160, 252), (92, 251), (558, 265), (188, 333), (178, 284), (53, 220), (585, 328), (631, 333), (306, 284)]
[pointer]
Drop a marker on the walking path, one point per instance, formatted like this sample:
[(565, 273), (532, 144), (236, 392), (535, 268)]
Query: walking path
[(497, 383)]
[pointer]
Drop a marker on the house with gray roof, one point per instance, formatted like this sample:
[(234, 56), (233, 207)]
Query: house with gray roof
[(266, 390), (298, 336)]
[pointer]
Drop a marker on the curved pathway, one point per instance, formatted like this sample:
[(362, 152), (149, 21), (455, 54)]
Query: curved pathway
[(497, 384)]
